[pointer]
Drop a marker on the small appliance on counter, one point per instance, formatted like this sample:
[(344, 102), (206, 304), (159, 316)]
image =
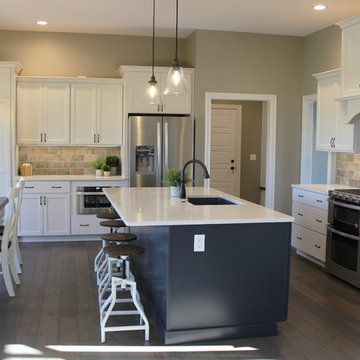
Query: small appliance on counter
[(26, 169), (343, 235)]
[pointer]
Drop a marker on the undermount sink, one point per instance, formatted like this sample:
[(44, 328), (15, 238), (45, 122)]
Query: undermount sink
[(211, 200)]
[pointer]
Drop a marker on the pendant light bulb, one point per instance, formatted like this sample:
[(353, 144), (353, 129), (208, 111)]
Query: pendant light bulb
[(175, 82), (152, 92)]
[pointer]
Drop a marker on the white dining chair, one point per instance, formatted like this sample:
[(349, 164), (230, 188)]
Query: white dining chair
[(7, 242), (17, 254)]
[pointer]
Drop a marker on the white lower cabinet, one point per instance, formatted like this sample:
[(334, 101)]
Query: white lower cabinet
[(86, 225), (45, 209), (309, 228)]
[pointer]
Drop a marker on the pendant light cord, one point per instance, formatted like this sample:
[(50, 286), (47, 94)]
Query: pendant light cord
[(176, 32), (153, 42)]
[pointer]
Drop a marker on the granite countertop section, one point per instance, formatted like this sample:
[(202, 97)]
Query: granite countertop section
[(155, 206), (3, 202), (321, 188), (72, 178)]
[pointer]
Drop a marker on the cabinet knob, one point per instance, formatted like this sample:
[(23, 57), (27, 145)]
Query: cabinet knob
[(317, 246), (300, 214), (299, 238), (319, 221)]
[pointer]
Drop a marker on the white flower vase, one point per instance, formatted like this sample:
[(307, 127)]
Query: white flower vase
[(106, 173), (98, 173), (174, 191)]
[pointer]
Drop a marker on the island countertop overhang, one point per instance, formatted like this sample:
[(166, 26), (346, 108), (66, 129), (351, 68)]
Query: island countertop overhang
[(155, 207)]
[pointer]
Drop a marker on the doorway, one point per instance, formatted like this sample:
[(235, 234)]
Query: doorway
[(269, 123)]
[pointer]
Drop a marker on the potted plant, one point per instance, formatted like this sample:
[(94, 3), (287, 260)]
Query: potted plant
[(173, 179), (98, 165), (113, 162), (106, 170)]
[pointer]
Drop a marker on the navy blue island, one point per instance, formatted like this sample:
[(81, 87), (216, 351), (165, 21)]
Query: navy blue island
[(215, 266)]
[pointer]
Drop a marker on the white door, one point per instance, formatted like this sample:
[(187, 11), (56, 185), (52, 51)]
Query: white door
[(56, 112), (109, 114), (31, 215), (83, 114), (29, 113), (56, 214), (225, 148)]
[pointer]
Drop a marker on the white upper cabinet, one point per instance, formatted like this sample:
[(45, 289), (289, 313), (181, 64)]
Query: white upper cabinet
[(43, 112), (332, 134), (137, 78), (48, 108), (350, 56), (97, 113)]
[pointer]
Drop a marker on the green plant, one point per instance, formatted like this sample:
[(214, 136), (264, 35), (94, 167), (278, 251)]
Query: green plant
[(98, 164), (106, 168), (112, 161), (173, 177)]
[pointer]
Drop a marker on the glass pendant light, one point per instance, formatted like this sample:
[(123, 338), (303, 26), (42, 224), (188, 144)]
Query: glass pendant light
[(175, 82), (152, 92)]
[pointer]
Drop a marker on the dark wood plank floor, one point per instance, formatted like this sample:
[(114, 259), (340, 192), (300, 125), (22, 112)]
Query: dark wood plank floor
[(56, 304)]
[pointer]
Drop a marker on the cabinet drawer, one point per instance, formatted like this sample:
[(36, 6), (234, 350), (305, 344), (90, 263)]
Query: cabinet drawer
[(32, 187), (309, 241), (310, 198), (310, 217), (86, 225)]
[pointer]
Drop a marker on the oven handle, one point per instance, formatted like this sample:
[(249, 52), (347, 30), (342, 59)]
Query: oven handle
[(89, 193), (353, 237), (354, 207)]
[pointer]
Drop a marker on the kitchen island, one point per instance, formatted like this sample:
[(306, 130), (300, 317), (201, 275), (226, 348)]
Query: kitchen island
[(230, 282)]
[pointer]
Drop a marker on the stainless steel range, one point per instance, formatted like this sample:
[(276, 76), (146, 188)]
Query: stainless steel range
[(343, 235)]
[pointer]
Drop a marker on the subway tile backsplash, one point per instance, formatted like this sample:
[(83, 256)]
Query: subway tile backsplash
[(348, 169), (64, 160)]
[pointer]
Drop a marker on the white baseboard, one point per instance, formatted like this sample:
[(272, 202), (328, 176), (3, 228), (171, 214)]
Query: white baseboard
[(26, 239)]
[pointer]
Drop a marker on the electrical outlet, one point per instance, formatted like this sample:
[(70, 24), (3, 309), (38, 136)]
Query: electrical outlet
[(199, 243)]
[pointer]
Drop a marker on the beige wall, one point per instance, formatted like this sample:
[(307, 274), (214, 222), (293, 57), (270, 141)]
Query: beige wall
[(68, 54), (322, 52), (258, 64)]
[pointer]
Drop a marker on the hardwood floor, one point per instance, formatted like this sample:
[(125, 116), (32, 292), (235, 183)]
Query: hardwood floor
[(56, 304)]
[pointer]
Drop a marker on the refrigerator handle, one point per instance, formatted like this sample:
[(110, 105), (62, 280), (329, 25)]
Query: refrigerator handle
[(166, 148), (158, 160)]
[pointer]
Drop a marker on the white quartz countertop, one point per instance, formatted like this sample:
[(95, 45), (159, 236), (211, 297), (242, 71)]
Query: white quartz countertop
[(72, 178), (155, 206), (321, 188)]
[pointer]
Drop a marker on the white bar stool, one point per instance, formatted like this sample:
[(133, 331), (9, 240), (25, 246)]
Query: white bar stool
[(123, 283)]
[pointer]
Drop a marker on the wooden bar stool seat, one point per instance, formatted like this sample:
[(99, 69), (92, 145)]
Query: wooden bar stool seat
[(118, 237), (108, 216), (123, 250), (113, 223)]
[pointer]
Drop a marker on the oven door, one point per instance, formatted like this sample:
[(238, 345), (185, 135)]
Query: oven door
[(92, 203), (344, 217), (342, 255)]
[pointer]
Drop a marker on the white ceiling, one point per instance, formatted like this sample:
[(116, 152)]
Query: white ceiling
[(133, 17)]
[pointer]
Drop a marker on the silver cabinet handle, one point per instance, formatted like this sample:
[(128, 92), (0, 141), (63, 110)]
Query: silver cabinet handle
[(166, 148), (300, 214), (40, 200), (319, 221), (94, 138), (98, 138), (56, 187), (44, 137), (44, 200), (84, 225), (41, 137), (299, 238), (319, 201), (300, 196), (29, 187), (158, 160), (317, 246)]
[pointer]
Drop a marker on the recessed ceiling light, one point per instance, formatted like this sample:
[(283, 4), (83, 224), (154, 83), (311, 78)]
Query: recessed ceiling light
[(319, 7), (42, 22)]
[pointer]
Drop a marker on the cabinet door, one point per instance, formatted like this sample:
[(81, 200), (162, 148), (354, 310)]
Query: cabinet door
[(109, 114), (5, 148), (350, 60), (31, 215), (56, 214), (83, 114), (137, 83), (29, 113), (177, 104), (56, 113)]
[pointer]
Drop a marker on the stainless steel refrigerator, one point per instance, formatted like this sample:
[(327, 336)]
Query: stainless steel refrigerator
[(158, 143)]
